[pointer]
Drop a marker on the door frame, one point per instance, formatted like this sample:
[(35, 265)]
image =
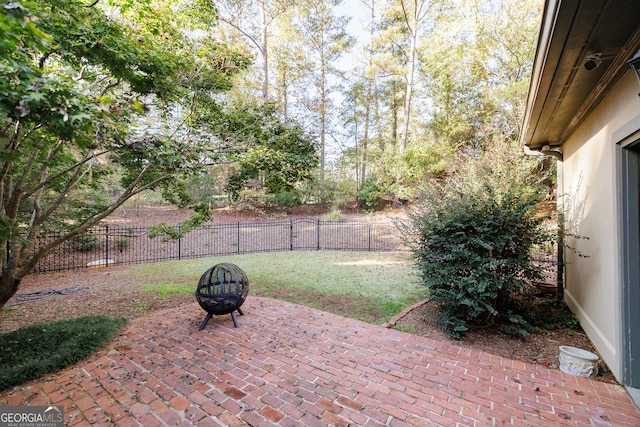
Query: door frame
[(629, 180)]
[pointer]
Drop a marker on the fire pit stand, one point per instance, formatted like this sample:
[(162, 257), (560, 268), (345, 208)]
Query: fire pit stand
[(222, 289)]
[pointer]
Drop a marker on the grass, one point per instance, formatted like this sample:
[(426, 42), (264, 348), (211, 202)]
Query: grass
[(367, 286), (31, 352), (167, 290)]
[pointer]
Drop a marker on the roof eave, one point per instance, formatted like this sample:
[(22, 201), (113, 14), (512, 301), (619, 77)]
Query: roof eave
[(542, 49)]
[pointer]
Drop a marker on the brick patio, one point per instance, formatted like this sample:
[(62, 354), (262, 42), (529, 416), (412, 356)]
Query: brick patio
[(290, 365)]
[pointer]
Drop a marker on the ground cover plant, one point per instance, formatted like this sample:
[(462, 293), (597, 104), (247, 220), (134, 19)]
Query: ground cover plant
[(31, 352)]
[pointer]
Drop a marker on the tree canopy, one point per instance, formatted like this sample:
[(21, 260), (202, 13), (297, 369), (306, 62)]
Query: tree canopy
[(266, 152), (425, 81), (79, 84)]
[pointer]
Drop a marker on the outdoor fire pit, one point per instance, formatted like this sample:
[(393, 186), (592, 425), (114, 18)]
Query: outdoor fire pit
[(222, 289)]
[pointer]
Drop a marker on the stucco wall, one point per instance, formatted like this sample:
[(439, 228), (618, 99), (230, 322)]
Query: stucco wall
[(589, 180)]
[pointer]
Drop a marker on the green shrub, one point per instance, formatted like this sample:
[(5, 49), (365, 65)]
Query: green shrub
[(473, 237), (122, 242), (85, 243), (547, 314), (285, 198), (370, 193), (333, 215), (208, 188)]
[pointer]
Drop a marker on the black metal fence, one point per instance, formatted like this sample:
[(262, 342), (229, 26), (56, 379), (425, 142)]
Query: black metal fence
[(111, 245)]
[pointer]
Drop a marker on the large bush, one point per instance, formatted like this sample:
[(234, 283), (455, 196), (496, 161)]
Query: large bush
[(473, 237)]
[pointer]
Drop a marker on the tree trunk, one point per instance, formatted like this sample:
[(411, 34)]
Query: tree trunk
[(367, 113), (9, 285), (265, 55), (394, 115), (409, 89), (365, 139), (285, 97), (322, 114)]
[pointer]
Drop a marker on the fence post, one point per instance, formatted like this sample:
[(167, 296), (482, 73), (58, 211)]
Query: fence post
[(290, 234), (318, 234), (369, 237), (238, 237), (179, 242), (106, 245)]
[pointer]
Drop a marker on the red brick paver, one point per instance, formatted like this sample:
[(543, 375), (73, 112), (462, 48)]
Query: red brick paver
[(290, 365)]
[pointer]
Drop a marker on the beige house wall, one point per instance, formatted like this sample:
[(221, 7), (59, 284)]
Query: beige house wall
[(589, 181)]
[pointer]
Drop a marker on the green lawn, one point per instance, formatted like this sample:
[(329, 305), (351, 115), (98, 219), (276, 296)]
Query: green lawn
[(369, 286)]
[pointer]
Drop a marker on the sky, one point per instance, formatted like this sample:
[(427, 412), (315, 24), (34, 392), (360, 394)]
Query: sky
[(357, 27)]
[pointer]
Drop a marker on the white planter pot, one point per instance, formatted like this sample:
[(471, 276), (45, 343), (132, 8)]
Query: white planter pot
[(576, 361)]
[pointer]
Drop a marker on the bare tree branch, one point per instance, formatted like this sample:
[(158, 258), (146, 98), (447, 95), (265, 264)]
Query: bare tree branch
[(43, 59), (244, 33), (130, 191), (67, 170), (109, 86), (81, 73), (72, 181)]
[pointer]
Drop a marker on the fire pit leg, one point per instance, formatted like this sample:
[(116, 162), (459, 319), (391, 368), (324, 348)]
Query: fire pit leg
[(204, 322), (235, 321), (240, 312)]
